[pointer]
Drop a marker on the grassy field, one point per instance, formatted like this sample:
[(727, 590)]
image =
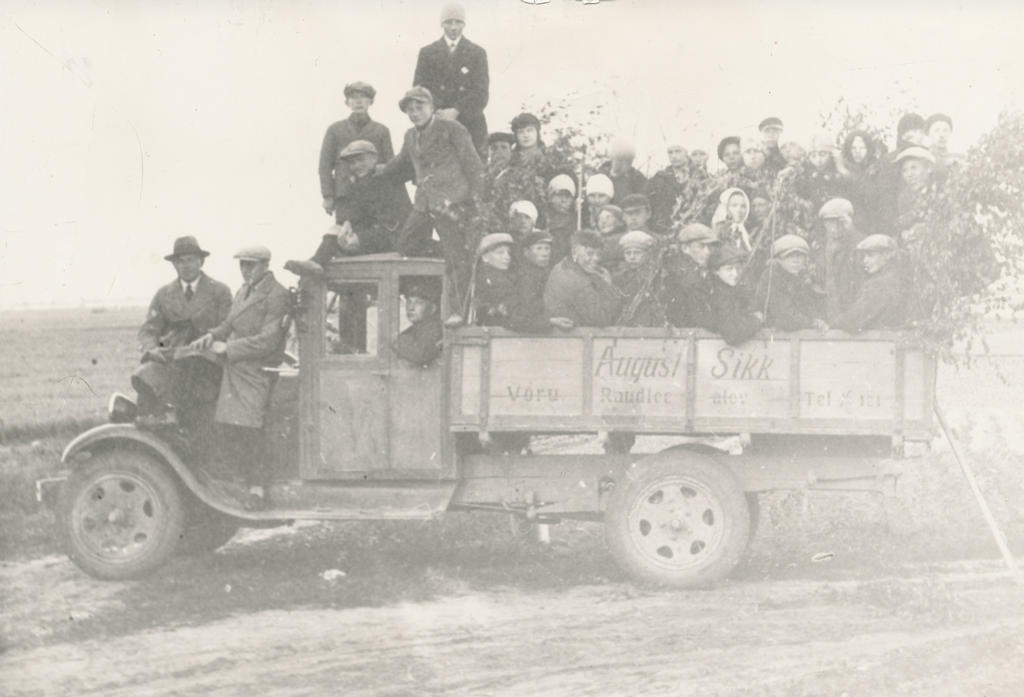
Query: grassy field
[(58, 367)]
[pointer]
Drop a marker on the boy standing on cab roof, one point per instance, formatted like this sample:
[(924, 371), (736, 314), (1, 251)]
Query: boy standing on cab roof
[(358, 126)]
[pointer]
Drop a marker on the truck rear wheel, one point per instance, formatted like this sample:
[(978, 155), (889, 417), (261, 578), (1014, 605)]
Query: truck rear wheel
[(121, 514), (678, 523)]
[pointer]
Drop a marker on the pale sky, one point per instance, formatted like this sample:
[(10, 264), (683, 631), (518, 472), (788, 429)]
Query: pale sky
[(126, 125)]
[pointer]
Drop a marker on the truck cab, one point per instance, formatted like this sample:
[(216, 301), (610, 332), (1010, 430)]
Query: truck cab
[(369, 435)]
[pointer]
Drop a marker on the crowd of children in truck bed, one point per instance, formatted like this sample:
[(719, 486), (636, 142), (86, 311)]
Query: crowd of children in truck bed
[(781, 236)]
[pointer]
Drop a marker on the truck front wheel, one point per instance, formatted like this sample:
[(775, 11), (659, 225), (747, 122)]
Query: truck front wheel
[(678, 523), (121, 514)]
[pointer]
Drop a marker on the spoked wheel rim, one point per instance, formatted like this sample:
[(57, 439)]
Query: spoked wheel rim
[(677, 524), (117, 518)]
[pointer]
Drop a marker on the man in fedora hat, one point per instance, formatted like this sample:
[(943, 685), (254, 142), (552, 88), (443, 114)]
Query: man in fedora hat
[(455, 71), (358, 126), (180, 312)]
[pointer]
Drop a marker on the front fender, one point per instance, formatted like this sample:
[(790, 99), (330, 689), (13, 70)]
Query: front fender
[(121, 435)]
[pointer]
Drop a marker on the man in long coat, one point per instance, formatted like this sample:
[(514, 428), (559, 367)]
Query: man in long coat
[(180, 312), (454, 69), (358, 126), (250, 338)]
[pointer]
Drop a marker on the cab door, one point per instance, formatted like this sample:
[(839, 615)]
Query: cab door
[(367, 413), (347, 403)]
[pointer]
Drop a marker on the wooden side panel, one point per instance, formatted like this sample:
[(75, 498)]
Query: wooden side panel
[(353, 422), (471, 357), (749, 381), (916, 400), (847, 380), (639, 377), (536, 376), (415, 436)]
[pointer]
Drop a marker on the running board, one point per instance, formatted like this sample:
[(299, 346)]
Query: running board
[(298, 500)]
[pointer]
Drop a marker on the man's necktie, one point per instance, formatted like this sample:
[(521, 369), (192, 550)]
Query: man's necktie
[(188, 293)]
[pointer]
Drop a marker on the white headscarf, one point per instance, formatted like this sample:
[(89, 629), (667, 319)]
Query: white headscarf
[(722, 216)]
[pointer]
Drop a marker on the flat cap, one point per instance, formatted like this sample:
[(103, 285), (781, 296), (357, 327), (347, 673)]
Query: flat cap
[(256, 252), (724, 255), (697, 232), (536, 236), (493, 241), (915, 152), (636, 239), (415, 94), (561, 182), (768, 122), (635, 201), (453, 10), (501, 137), (877, 243), (789, 244), (726, 142), (523, 120), (525, 207), (836, 208), (357, 147), (587, 238), (600, 184), (360, 87)]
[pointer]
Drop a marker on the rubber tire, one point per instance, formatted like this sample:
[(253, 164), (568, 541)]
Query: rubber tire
[(170, 510), (723, 486), (206, 530)]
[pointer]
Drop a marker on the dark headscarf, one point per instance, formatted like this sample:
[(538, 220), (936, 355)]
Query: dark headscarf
[(869, 159)]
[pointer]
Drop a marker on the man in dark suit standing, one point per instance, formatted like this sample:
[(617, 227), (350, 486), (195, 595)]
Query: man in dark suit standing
[(180, 312), (454, 69)]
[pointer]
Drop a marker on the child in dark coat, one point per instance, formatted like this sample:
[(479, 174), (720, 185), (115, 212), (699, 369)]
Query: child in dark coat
[(733, 318)]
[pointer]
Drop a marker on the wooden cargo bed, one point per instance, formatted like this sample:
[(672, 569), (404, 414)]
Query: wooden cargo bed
[(679, 381)]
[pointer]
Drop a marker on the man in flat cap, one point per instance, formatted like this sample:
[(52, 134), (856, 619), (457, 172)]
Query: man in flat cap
[(786, 292), (438, 155), (420, 342), (880, 303), (771, 131), (494, 294), (180, 312), (580, 289), (687, 290), (358, 126), (454, 69), (369, 210), (639, 280), (250, 338)]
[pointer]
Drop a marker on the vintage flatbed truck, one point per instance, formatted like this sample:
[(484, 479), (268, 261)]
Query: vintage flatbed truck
[(358, 433)]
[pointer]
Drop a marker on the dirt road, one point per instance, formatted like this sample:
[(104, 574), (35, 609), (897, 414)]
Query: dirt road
[(955, 629)]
